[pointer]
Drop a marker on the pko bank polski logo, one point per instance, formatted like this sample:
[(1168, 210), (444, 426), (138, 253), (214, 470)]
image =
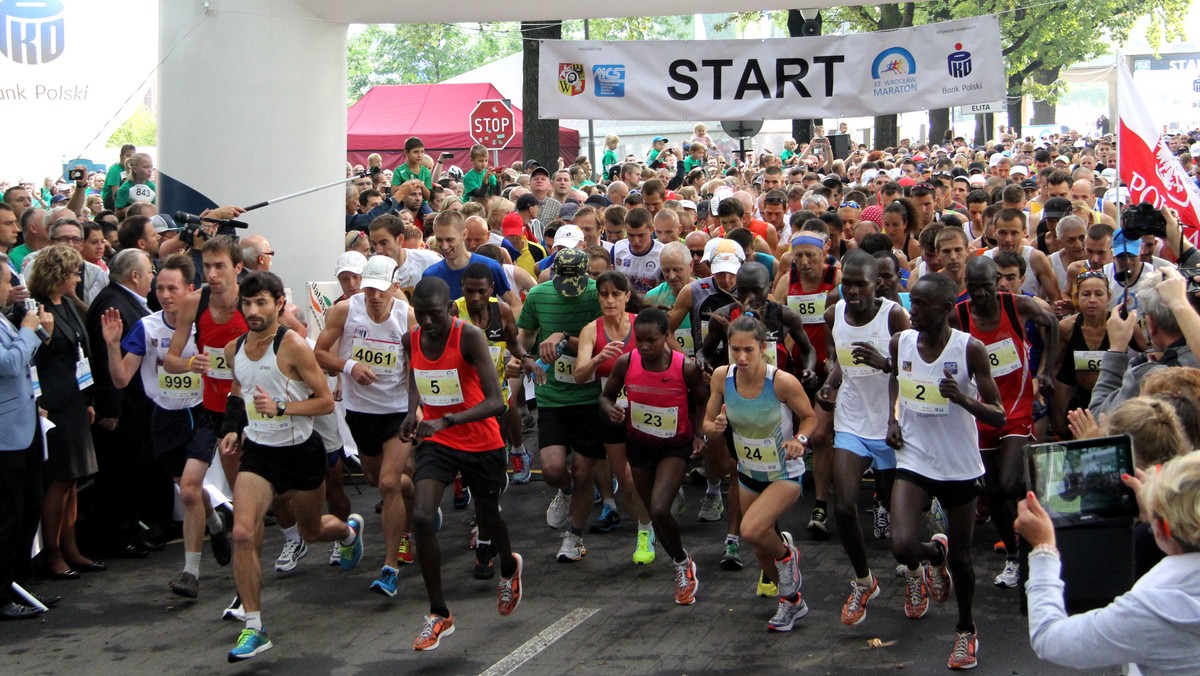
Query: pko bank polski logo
[(894, 71), (958, 63), (32, 31), (609, 80)]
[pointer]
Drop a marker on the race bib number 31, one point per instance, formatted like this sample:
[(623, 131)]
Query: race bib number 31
[(439, 387), (564, 370)]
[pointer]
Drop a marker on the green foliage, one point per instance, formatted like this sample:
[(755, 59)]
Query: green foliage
[(632, 28), (141, 129)]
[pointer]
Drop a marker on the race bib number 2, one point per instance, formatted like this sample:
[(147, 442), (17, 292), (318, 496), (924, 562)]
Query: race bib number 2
[(921, 395)]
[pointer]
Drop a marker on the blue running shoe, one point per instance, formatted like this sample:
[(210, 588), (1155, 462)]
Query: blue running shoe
[(608, 520), (462, 494), (250, 643), (386, 582), (522, 464), (437, 525), (353, 552)]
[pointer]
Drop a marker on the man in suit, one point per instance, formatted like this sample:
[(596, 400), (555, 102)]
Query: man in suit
[(128, 477), (20, 451)]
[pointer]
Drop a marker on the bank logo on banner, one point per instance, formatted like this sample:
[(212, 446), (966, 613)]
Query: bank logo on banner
[(609, 79), (894, 71), (570, 79), (1196, 85), (31, 31), (959, 62)]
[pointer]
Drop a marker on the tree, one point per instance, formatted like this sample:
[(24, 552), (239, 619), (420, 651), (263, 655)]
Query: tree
[(141, 129), (540, 137), (881, 18)]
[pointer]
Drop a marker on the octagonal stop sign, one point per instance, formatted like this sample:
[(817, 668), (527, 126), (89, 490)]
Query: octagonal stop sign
[(491, 124)]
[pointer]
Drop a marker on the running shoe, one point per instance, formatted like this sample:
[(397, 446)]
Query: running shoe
[(766, 589), (462, 494), (1010, 577), (404, 555), (643, 554), (485, 567), (250, 642), (937, 578), (609, 519), (938, 523), (436, 628), (1000, 548), (712, 508), (186, 585), (335, 555), (558, 512), (222, 546), (697, 477), (789, 568), (686, 584), (916, 596), (437, 521), (572, 548), (855, 610), (289, 557), (509, 594), (679, 504), (386, 582), (732, 559), (966, 650), (883, 522), (816, 524), (353, 552), (787, 614), (235, 612), (528, 422), (983, 510), (473, 541), (522, 467)]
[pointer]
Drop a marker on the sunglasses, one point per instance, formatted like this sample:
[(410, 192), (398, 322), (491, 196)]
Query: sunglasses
[(1091, 274), (697, 253), (849, 205)]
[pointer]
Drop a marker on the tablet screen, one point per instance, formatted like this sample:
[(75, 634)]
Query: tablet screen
[(1079, 481)]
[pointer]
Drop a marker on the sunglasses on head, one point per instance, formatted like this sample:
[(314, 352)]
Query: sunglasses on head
[(849, 205)]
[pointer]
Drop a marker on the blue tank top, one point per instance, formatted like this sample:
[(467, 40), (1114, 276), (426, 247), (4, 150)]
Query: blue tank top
[(759, 426)]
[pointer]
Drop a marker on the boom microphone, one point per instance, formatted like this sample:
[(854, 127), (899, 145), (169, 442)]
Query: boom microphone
[(185, 217)]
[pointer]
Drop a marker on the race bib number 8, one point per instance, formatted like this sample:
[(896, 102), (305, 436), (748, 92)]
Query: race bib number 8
[(1003, 357), (922, 396), (758, 455), (218, 367), (380, 356), (810, 307), (1088, 360), (178, 385), (439, 387), (655, 421)]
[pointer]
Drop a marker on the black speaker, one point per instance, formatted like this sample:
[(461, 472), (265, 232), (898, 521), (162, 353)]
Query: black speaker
[(840, 143), (1088, 585)]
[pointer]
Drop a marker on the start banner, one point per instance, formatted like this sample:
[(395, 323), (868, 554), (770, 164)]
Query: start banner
[(939, 65)]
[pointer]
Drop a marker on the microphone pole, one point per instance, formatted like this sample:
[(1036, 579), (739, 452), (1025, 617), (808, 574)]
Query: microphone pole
[(361, 174)]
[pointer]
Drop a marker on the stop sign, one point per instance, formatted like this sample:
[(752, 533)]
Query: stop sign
[(491, 124)]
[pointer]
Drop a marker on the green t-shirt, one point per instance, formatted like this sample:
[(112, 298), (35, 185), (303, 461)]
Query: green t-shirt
[(546, 311), (689, 164), (18, 254), (472, 180), (401, 174), (123, 193), (608, 160), (663, 297), (786, 155), (652, 156), (112, 181)]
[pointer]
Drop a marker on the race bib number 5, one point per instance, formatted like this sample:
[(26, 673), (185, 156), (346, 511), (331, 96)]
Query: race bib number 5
[(921, 395), (439, 387)]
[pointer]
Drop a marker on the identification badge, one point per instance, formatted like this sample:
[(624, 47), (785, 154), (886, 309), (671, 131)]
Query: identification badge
[(439, 387), (380, 356), (564, 370), (922, 395), (656, 421), (83, 371), (850, 369), (1003, 357), (810, 307), (757, 455), (1088, 360), (685, 342), (266, 422), (218, 367), (37, 383), (178, 385)]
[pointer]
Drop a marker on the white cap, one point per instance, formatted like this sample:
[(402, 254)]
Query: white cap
[(868, 176), (1118, 195), (568, 236), (379, 273), (995, 159), (351, 261), (1064, 159), (895, 173), (1019, 169), (726, 262), (687, 204), (720, 245), (723, 192), (1081, 143), (1109, 174), (977, 181)]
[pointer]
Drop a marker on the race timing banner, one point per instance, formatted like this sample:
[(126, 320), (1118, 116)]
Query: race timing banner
[(934, 66)]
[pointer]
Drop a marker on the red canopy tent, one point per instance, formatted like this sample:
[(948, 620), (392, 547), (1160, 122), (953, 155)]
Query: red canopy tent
[(383, 119)]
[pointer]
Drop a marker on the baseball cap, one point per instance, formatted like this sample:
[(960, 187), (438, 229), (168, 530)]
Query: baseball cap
[(351, 261), (977, 181), (1019, 169), (868, 176), (1029, 184), (1056, 207), (379, 273), (723, 192), (1109, 174), (58, 199), (568, 236), (659, 138), (1119, 195), (1063, 158), (570, 273), (527, 200), (975, 167), (530, 164), (687, 204), (1081, 143), (725, 262), (539, 169), (995, 159), (567, 212), (722, 245), (163, 223), (512, 224), (1123, 245)]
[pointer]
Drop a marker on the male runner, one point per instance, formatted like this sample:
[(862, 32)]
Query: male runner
[(452, 376), (367, 328), (280, 453), (936, 372)]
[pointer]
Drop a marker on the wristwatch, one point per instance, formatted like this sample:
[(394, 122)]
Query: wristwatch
[(280, 408), (802, 439)]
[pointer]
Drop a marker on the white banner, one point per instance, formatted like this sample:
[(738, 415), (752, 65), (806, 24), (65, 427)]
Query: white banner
[(935, 66), (69, 72)]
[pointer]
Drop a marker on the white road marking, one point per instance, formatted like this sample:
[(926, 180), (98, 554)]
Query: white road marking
[(543, 640)]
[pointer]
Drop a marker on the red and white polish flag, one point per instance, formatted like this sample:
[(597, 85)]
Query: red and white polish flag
[(1147, 165)]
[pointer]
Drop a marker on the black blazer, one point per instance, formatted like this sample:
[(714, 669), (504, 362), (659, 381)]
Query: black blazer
[(109, 401), (56, 360)]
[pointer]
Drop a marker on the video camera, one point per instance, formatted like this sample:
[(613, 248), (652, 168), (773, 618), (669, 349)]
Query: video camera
[(1143, 219), (193, 224)]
